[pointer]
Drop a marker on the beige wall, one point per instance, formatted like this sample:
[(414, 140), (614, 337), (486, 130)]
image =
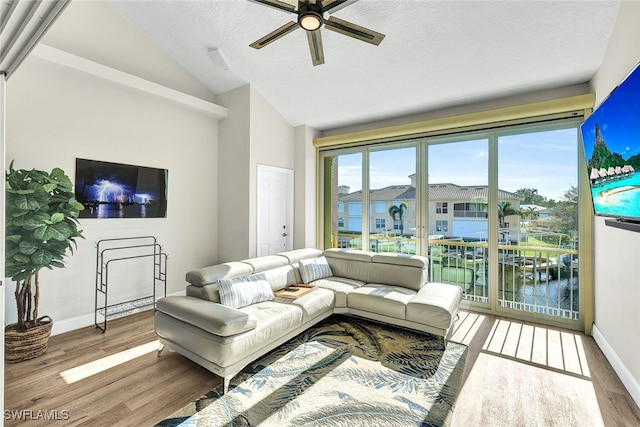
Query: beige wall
[(305, 187), (54, 116), (272, 144), (253, 133), (233, 204), (93, 30), (504, 102), (616, 283)]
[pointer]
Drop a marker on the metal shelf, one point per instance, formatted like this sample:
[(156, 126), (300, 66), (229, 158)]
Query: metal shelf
[(110, 251)]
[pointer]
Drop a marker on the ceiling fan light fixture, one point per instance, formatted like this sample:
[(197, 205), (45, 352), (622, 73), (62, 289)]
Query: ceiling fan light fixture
[(310, 20)]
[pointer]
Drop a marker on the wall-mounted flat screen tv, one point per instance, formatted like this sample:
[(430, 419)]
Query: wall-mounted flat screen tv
[(611, 138), (114, 190)]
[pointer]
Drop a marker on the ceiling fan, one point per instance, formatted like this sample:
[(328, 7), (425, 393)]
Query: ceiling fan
[(311, 17)]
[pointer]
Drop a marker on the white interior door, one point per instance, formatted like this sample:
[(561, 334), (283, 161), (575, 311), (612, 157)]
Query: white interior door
[(274, 210)]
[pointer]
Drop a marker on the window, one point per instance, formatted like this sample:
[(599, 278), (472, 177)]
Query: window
[(442, 207), (507, 260), (442, 226), (341, 222), (354, 217), (470, 210)]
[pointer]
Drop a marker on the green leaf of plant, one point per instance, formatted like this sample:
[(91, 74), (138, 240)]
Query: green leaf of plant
[(48, 232), (41, 258), (26, 203), (63, 231), (41, 220), (57, 217), (15, 238), (21, 275), (50, 187), (11, 191), (21, 258), (28, 247), (57, 264)]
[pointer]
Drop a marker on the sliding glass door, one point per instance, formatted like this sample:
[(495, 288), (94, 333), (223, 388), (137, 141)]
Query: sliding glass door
[(343, 201), (538, 237), (457, 215), (392, 200), (496, 213)]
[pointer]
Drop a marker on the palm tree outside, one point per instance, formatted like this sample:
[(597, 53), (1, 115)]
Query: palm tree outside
[(397, 213), (505, 209)]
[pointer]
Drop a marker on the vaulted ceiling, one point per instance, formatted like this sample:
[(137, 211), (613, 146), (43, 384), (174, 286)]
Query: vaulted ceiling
[(435, 54)]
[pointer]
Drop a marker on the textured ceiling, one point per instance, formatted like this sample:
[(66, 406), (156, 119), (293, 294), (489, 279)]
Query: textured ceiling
[(436, 53)]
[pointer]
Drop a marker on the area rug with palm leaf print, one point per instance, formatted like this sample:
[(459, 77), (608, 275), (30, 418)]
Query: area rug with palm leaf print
[(344, 371)]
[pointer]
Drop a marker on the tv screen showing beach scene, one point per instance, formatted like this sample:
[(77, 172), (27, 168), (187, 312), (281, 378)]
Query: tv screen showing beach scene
[(611, 138), (114, 190)]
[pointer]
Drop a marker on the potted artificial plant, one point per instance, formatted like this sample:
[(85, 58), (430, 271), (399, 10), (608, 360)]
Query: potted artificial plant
[(41, 225)]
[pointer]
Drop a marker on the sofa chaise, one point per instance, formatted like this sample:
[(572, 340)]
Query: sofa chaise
[(228, 319)]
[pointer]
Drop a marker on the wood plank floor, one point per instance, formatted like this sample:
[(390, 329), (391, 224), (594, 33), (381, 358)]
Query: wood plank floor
[(516, 374)]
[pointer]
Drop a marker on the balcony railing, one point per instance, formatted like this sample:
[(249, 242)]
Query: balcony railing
[(531, 278)]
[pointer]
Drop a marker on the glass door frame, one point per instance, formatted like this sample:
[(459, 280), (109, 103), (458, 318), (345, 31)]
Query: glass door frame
[(421, 145)]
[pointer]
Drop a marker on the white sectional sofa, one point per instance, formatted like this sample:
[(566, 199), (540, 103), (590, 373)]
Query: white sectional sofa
[(390, 288)]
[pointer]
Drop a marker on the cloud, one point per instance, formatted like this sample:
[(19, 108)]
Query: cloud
[(482, 154)]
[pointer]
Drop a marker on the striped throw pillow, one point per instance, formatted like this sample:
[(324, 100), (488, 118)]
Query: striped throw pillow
[(314, 269), (238, 294)]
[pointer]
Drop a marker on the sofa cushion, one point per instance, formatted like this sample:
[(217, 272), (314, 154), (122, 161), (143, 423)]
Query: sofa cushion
[(298, 254), (401, 259), (315, 303), (340, 286), (281, 277), (382, 299), (274, 321), (314, 269), (238, 294), (348, 268), (435, 304), (266, 262), (350, 254), (208, 275), (216, 319)]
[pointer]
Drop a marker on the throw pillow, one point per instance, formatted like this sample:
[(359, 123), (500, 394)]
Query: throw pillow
[(314, 269), (238, 294)]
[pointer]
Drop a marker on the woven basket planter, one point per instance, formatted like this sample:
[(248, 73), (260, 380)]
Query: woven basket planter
[(24, 345)]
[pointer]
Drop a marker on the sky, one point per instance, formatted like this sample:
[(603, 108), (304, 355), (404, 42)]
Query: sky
[(546, 161), (619, 119)]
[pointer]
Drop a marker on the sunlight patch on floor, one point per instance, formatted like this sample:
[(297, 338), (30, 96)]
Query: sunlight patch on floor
[(466, 327), (556, 349), (92, 368)]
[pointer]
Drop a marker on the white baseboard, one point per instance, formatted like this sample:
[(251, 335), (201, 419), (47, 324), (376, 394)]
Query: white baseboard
[(68, 325), (632, 384)]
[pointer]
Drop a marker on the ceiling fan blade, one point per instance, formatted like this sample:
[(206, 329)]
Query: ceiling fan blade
[(352, 30), (275, 35), (315, 47), (280, 5), (335, 5)]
